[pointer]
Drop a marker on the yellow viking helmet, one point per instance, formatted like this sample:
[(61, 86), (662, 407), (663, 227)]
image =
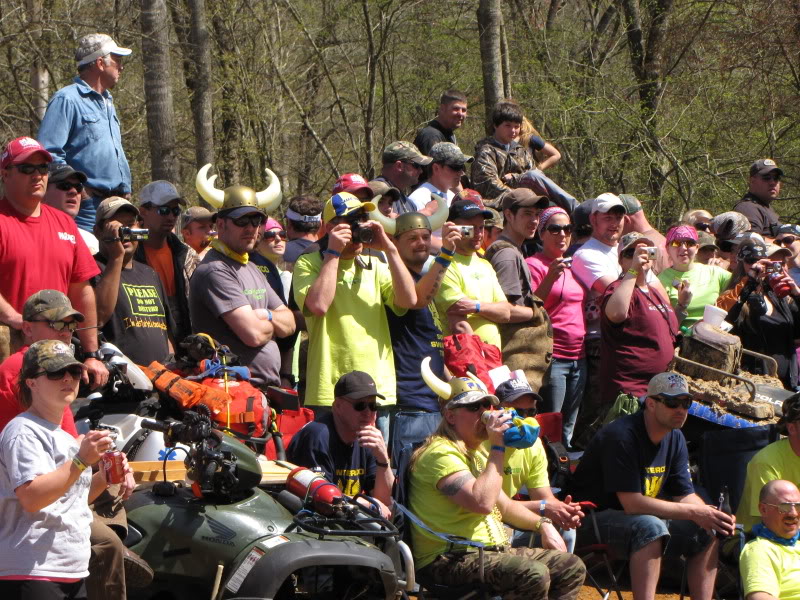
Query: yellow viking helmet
[(459, 390), (237, 196), (436, 220)]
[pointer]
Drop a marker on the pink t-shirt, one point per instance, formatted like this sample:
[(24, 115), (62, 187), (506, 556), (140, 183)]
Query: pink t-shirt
[(564, 304)]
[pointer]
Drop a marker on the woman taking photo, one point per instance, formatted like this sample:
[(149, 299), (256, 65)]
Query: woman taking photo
[(46, 484), (552, 281), (690, 284)]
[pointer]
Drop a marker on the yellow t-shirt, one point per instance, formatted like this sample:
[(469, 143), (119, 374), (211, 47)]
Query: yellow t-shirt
[(776, 461), (474, 278), (439, 512), (354, 332), (522, 467), (772, 568)]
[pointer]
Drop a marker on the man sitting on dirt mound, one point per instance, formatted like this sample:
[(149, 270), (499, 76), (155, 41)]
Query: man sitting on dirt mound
[(636, 470)]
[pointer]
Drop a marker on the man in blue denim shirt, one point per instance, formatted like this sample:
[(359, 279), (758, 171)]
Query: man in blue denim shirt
[(81, 127)]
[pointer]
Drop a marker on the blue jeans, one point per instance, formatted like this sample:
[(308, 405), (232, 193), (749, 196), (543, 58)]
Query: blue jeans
[(384, 421), (409, 427), (563, 392), (87, 212), (540, 183)]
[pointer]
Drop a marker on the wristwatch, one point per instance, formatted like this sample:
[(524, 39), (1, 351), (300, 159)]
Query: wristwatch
[(95, 354), (541, 522)]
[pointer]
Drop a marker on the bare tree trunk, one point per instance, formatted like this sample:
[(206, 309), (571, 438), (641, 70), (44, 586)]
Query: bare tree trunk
[(158, 90), (202, 114), (506, 61), (40, 76), (489, 21)]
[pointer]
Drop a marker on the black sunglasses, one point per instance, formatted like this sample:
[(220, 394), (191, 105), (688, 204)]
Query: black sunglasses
[(268, 235), (66, 186), (786, 241), (363, 405), (252, 220), (28, 169), (60, 325), (682, 402), (165, 210), (702, 226), (556, 229), (476, 406), (527, 412), (725, 246), (75, 372), (460, 167)]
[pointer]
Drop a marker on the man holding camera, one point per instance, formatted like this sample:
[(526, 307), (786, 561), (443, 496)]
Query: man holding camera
[(131, 305), (342, 294)]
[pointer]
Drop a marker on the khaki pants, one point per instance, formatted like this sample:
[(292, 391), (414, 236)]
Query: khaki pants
[(106, 579)]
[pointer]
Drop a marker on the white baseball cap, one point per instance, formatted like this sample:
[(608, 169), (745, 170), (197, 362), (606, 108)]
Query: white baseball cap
[(93, 46), (605, 202), (159, 193)]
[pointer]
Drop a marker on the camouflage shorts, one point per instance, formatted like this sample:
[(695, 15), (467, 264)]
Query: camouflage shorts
[(516, 573)]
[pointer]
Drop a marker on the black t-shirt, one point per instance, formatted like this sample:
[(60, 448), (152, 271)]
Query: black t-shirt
[(622, 458), (294, 248), (416, 335), (763, 218), (432, 134), (140, 321), (317, 445)]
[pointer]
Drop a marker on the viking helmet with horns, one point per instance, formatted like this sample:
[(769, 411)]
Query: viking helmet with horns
[(459, 390), (236, 196), (409, 221)]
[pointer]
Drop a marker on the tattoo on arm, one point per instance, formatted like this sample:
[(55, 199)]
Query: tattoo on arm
[(437, 282), (452, 487)]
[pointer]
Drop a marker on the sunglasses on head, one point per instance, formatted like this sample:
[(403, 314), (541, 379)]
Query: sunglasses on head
[(683, 243), (682, 402), (75, 371), (61, 325), (785, 507), (252, 220), (269, 235), (362, 405), (165, 210), (28, 169), (702, 226), (556, 229), (786, 241), (476, 406), (66, 186)]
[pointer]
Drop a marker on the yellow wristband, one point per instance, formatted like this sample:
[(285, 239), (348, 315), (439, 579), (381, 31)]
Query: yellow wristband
[(79, 464), (633, 272)]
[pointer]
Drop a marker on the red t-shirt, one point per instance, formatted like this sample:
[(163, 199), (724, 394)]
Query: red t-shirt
[(37, 253), (633, 351), (9, 405)]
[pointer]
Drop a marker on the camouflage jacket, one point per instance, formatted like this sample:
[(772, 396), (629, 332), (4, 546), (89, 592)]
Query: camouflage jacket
[(492, 162)]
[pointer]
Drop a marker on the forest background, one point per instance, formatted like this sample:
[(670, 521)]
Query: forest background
[(669, 100)]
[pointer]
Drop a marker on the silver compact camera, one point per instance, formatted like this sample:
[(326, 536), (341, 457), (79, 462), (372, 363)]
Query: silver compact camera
[(467, 231), (651, 252)]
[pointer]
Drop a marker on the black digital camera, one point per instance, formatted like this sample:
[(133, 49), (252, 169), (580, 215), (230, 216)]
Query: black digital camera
[(131, 234), (361, 234)]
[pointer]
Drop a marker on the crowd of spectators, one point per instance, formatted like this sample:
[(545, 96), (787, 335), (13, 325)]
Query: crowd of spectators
[(585, 301)]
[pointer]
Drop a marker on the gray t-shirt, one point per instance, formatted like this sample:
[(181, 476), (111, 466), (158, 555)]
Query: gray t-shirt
[(512, 272), (54, 541), (220, 285)]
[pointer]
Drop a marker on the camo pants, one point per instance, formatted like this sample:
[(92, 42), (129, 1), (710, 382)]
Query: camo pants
[(514, 574)]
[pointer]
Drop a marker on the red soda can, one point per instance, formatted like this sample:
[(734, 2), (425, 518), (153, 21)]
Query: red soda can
[(112, 463)]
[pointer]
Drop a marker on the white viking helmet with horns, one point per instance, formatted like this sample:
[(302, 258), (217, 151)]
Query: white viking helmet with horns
[(459, 390), (235, 196), (436, 220)]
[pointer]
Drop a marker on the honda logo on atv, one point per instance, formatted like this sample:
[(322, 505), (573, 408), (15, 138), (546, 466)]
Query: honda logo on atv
[(222, 533)]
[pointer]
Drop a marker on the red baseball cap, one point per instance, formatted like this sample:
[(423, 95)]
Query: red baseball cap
[(18, 150), (352, 183)]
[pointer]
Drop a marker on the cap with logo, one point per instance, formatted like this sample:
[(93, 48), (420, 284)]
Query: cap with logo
[(405, 151), (471, 195), (514, 389), (356, 385), (788, 229), (111, 206), (631, 239), (765, 166), (96, 45), (522, 197), (449, 154), (751, 252), (49, 305), (20, 149), (465, 209), (352, 183), (670, 385), (61, 172), (195, 213), (343, 204), (605, 202), (381, 188), (49, 356), (159, 193)]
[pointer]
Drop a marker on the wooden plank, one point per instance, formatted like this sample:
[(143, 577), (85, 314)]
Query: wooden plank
[(274, 473), (151, 470)]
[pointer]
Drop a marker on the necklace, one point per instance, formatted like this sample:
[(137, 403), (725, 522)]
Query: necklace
[(223, 248)]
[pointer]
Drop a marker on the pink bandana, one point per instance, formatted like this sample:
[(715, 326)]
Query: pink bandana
[(682, 232), (547, 214)]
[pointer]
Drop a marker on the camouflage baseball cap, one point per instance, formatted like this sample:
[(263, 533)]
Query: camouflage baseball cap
[(49, 305), (631, 204), (728, 224), (630, 239), (49, 355), (670, 385), (496, 220), (706, 240), (449, 154), (404, 151)]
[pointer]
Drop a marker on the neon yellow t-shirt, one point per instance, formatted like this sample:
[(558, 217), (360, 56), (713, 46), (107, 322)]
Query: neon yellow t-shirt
[(472, 277), (772, 568), (354, 332), (439, 512), (522, 467), (776, 461), (706, 283)]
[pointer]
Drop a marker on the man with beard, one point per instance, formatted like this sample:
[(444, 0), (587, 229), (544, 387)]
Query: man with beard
[(770, 564), (456, 488), (230, 298), (636, 470), (764, 187)]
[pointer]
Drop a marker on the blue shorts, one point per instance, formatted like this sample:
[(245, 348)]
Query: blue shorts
[(626, 534)]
